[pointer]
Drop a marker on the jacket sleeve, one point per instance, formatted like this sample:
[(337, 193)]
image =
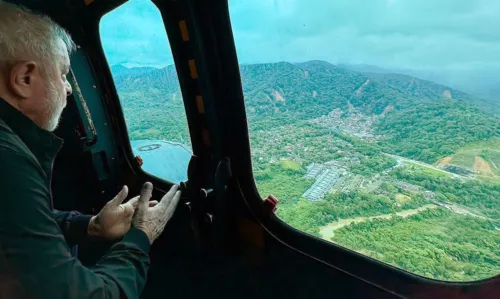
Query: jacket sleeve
[(35, 260), (73, 225)]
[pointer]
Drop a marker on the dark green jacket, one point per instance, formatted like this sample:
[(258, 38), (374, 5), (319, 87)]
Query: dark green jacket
[(35, 240)]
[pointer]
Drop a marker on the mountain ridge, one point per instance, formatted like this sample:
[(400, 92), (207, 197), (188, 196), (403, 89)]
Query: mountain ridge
[(120, 72), (401, 106)]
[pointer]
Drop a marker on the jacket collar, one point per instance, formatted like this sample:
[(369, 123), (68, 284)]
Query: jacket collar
[(43, 144)]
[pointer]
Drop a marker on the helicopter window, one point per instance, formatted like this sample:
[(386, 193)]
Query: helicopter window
[(376, 125), (136, 47)]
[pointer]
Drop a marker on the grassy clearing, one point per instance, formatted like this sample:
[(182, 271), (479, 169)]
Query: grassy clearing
[(488, 150), (290, 165), (401, 198), (493, 157), (427, 170), (465, 158)]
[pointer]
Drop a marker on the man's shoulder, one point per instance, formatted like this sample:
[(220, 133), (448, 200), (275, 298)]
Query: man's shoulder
[(11, 144)]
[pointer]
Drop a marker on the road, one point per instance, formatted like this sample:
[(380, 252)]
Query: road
[(402, 159), (327, 231)]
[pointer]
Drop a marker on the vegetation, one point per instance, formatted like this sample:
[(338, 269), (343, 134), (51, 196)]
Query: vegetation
[(309, 216), (439, 129), (153, 110), (488, 150), (481, 196), (285, 183), (373, 165), (413, 167), (434, 243)]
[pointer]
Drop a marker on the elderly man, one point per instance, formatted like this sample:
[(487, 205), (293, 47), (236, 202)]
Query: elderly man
[(35, 240)]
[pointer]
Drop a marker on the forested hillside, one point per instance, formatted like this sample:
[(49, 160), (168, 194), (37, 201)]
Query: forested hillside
[(401, 169)]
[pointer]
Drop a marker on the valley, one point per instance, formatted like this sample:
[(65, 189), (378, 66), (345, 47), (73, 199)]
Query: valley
[(398, 168)]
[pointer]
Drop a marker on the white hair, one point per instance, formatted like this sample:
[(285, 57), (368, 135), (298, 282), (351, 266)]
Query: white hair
[(25, 35)]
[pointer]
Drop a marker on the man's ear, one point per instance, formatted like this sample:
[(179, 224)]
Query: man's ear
[(23, 77)]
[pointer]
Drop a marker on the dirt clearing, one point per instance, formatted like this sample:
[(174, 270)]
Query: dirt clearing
[(445, 161), (482, 167)]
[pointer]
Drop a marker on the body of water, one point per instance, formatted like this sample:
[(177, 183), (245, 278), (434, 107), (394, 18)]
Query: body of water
[(164, 159)]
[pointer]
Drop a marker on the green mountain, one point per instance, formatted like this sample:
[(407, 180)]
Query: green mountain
[(401, 169), (414, 118), (122, 71), (322, 85), (480, 84)]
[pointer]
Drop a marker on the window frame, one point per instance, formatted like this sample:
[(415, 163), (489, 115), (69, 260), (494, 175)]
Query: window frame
[(138, 169), (384, 275), (90, 18)]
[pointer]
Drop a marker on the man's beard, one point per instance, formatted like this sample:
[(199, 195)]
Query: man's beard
[(54, 108)]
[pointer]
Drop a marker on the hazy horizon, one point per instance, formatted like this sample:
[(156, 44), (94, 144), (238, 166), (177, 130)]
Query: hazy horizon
[(452, 42)]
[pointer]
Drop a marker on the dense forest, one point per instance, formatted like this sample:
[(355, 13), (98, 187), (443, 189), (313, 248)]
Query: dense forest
[(411, 167)]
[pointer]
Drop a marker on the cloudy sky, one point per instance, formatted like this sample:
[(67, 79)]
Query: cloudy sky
[(457, 40)]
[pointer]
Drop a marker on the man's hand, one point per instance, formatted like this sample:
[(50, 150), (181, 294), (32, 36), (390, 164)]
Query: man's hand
[(152, 220), (115, 218)]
